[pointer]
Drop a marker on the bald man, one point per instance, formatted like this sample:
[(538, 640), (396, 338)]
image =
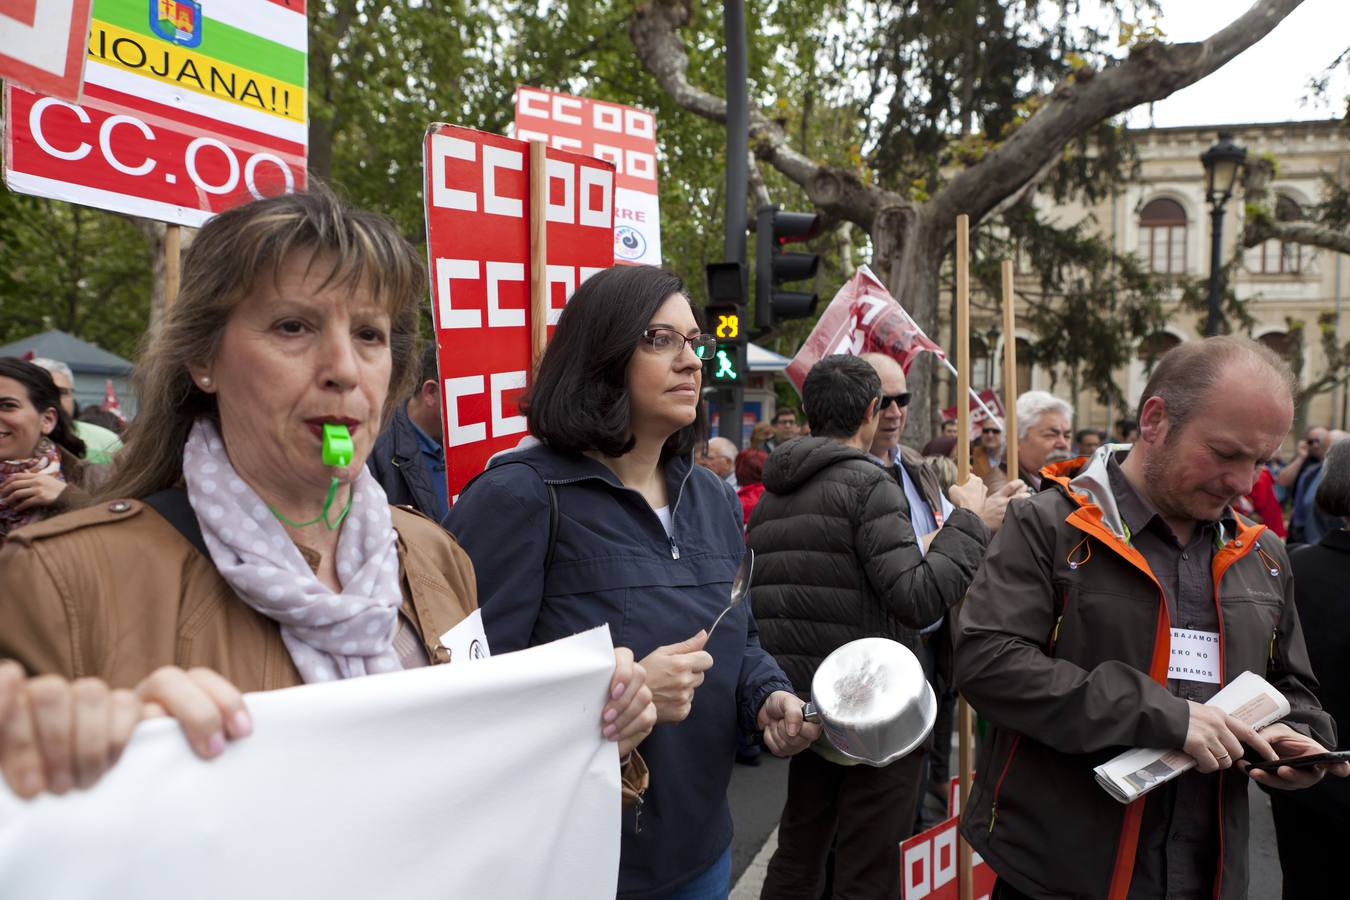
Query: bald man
[(1092, 626)]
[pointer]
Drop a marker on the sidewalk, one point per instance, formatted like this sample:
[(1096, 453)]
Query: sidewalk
[(752, 879), (1264, 862)]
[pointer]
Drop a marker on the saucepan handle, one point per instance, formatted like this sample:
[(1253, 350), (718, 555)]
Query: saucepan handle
[(810, 713)]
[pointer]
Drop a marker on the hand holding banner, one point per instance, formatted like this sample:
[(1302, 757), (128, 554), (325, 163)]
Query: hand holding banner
[(482, 780)]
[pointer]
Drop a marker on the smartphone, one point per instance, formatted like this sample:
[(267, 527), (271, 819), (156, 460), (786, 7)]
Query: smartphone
[(1303, 762)]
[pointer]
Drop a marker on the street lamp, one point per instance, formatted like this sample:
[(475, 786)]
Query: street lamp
[(1222, 162)]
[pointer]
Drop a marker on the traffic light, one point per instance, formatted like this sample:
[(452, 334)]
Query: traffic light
[(724, 321), (773, 267), (728, 363)]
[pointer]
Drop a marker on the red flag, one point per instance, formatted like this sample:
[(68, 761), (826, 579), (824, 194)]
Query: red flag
[(862, 317), (110, 403), (977, 415)]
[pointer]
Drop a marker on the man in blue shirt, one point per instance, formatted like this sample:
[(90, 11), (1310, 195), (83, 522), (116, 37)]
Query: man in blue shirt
[(408, 460)]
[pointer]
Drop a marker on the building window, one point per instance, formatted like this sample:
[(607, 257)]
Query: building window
[(1283, 343), (1162, 236), (1024, 366), (1282, 257), (1154, 346), (981, 364)]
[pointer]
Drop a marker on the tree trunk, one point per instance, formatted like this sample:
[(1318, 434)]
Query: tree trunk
[(909, 262)]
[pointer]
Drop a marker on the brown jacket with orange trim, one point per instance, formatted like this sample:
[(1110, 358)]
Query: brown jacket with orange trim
[(1062, 645)]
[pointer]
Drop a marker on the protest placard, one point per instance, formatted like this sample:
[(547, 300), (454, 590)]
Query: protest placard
[(478, 201), (928, 866), (622, 135), (42, 45), (189, 108), (862, 317), (985, 400)]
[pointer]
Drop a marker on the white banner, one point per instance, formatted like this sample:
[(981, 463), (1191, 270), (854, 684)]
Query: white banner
[(488, 780)]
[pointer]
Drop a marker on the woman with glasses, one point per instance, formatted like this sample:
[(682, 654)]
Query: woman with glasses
[(608, 522)]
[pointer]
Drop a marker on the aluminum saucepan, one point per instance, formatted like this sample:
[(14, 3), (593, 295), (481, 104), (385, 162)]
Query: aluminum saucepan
[(872, 701)]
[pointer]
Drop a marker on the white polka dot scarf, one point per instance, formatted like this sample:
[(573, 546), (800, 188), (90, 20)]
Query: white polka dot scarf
[(329, 636)]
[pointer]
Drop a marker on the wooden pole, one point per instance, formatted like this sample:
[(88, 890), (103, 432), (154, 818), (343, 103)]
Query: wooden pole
[(965, 736), (173, 244), (1009, 371), (539, 300)]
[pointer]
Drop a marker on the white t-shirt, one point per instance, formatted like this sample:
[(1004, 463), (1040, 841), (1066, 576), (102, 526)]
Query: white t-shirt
[(667, 521)]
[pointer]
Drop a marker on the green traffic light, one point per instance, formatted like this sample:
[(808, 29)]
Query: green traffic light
[(726, 366)]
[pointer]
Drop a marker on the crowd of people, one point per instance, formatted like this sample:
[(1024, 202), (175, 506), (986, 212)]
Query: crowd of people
[(1048, 596)]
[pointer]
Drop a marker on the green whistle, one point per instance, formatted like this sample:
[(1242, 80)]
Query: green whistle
[(337, 445)]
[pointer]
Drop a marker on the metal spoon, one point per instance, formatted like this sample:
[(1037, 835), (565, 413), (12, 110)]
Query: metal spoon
[(740, 586)]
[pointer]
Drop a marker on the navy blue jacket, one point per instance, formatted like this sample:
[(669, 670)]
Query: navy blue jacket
[(614, 564), (396, 463)]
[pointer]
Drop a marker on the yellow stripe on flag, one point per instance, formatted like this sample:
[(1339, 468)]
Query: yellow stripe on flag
[(192, 71)]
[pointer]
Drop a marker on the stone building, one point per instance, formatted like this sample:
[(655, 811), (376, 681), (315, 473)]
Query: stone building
[(1163, 218)]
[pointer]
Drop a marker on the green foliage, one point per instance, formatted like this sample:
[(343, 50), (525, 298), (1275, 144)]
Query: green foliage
[(81, 270), (899, 94), (1093, 305)]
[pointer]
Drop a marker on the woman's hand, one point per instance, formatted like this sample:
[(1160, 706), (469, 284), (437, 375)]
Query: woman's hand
[(786, 731), (1289, 743), (673, 673), (630, 714), (208, 707), (26, 490), (57, 734)]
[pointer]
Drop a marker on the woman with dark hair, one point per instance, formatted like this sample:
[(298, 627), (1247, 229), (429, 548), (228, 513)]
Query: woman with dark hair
[(608, 522), (40, 470)]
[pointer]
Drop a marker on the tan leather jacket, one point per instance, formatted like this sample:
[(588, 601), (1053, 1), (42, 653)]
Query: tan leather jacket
[(113, 591)]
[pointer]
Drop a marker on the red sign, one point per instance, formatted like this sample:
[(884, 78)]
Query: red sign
[(622, 135), (121, 152), (978, 415), (478, 247), (43, 44), (928, 866)]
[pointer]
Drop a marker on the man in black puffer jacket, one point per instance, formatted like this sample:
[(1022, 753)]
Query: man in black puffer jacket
[(837, 560)]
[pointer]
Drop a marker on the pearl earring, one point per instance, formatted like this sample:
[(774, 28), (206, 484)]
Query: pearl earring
[(206, 381)]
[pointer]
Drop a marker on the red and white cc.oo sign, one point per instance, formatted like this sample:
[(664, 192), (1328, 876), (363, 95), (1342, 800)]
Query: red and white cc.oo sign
[(622, 135), (478, 243)]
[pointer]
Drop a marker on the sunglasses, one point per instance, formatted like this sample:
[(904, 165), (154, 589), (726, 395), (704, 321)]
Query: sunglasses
[(901, 400), (993, 430)]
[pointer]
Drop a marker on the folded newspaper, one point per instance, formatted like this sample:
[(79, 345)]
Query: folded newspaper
[(1248, 698)]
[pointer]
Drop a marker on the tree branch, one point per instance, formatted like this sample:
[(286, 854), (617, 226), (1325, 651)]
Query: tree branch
[(1307, 233), (1151, 72), (837, 192)]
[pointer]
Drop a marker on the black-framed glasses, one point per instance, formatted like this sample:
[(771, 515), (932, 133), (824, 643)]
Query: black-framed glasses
[(988, 430), (669, 342), (901, 400)]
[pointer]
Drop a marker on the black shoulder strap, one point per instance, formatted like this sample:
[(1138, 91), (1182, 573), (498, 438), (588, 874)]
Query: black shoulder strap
[(552, 506), (172, 503), (552, 524)]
